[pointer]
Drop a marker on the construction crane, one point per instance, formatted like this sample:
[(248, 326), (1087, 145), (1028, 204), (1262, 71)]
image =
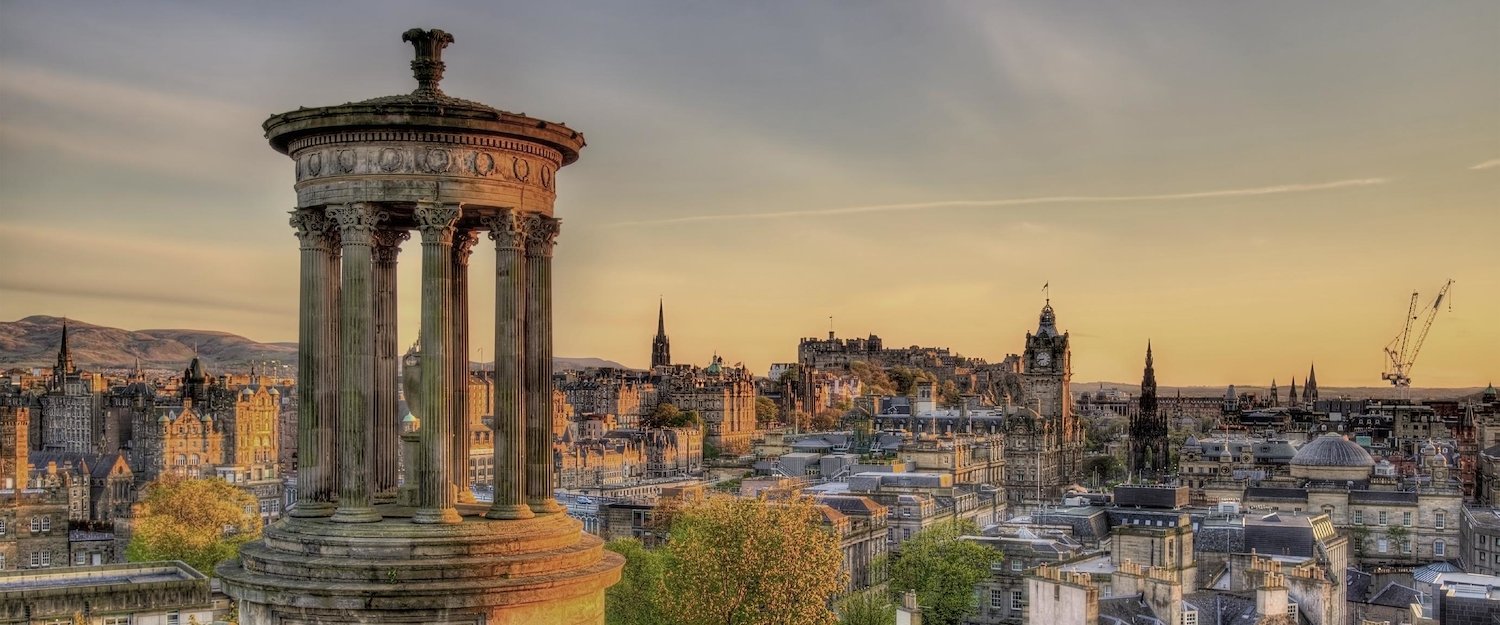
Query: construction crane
[(1402, 351)]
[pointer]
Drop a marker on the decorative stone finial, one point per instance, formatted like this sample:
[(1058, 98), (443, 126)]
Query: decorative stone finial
[(428, 66)]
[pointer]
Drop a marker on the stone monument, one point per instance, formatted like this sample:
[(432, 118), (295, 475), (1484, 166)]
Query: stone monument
[(351, 550)]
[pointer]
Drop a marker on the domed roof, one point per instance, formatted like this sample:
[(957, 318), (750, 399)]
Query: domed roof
[(1332, 450)]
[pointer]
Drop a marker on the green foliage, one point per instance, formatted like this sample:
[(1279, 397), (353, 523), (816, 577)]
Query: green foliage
[(948, 395), (732, 561), (943, 570), (667, 415), (872, 378), (765, 411), (868, 607), (1106, 468), (905, 378), (633, 601), (792, 374), (199, 521)]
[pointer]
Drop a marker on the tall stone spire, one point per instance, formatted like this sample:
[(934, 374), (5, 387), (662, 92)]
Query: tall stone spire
[(64, 356), (661, 347), (1310, 386), (1291, 396), (1148, 428)]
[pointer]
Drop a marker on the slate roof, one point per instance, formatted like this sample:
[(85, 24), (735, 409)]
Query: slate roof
[(1357, 584), (1395, 596), (1429, 573), (1129, 610), (1382, 496), (1272, 493), (1232, 609), (1274, 534)]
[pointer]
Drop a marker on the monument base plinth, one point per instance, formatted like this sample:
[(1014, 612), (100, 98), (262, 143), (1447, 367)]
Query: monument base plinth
[(315, 572)]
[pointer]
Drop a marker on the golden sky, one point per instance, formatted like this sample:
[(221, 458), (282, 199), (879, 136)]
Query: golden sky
[(1251, 186)]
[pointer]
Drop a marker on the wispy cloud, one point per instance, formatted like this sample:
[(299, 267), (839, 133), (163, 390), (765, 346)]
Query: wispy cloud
[(1025, 201), (1494, 162)]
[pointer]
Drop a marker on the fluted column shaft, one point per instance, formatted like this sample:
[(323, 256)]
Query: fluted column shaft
[(436, 494), (508, 231), (315, 484), (357, 223), (541, 233), (386, 431), (463, 245)]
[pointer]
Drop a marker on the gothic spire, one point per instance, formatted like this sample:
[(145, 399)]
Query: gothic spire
[(1310, 385), (661, 347), (64, 356)]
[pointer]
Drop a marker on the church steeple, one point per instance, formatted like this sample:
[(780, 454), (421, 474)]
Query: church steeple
[(64, 356), (1310, 386), (1275, 394), (661, 347), (1291, 396)]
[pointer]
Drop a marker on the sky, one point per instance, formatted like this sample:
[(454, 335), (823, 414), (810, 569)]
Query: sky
[(1253, 187)]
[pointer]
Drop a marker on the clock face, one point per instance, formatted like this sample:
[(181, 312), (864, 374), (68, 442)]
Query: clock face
[(1044, 359)]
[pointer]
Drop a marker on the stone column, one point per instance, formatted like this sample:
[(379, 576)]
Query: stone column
[(357, 224), (436, 497), (315, 465), (385, 435), (463, 245), (508, 231), (329, 373), (541, 232)]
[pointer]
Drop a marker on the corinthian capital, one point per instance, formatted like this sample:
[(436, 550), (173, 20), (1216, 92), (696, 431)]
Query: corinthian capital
[(357, 222), (507, 230), (388, 244), (463, 245), (436, 221), (541, 233), (312, 229)]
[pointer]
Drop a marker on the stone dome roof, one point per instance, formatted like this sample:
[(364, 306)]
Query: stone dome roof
[(1332, 450)]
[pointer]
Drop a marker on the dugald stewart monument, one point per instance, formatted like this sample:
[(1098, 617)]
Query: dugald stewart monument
[(370, 540)]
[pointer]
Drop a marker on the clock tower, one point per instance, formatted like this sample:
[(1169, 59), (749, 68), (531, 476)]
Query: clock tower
[(1044, 446)]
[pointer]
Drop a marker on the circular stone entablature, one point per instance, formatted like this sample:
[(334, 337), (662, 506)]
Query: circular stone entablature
[(424, 146)]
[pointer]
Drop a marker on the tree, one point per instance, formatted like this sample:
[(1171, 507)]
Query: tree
[(943, 570), (867, 607), (668, 415), (872, 379), (765, 411), (634, 600), (948, 395), (199, 521), (1105, 468), (1397, 535), (732, 561), (1357, 535)]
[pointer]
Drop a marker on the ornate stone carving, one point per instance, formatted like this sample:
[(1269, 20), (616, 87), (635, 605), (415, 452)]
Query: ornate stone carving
[(428, 66), (463, 245), (436, 221), (541, 234), (388, 244), (357, 222), (312, 229), (507, 229), (437, 155)]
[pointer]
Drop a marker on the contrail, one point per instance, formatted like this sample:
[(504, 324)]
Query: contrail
[(1027, 201)]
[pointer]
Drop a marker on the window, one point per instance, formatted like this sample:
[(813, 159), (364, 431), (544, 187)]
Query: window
[(1291, 610), (1359, 517), (79, 559), (1439, 548), (1440, 521), (1383, 520), (117, 620), (1189, 617), (1406, 519), (2, 527), (46, 558), (1015, 600), (1406, 546), (46, 523), (997, 598), (1016, 565), (174, 619), (36, 524), (1382, 545), (36, 559), (2, 562)]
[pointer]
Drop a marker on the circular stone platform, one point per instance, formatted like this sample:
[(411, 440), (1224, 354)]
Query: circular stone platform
[(314, 571)]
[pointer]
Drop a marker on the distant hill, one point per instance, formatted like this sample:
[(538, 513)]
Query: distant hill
[(33, 342)]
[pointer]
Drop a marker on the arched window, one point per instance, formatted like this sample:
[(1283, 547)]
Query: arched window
[(181, 459)]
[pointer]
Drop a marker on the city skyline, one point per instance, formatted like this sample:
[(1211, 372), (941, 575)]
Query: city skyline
[(916, 174)]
